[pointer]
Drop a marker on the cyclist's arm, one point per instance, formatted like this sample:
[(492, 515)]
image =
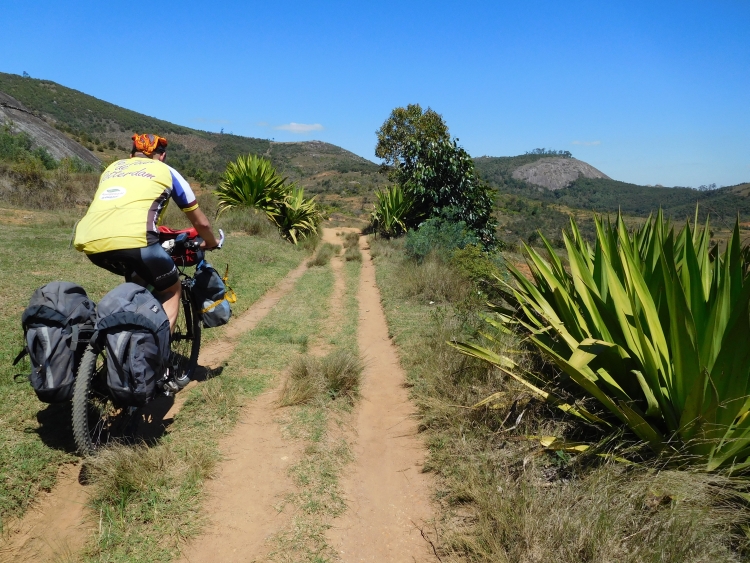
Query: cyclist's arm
[(183, 195), (201, 224)]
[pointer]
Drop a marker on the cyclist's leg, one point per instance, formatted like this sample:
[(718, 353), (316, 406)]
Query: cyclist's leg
[(170, 300), (150, 265), (158, 269)]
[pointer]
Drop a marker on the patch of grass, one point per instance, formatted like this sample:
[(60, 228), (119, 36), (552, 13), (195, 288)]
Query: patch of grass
[(351, 238), (353, 253), (318, 422), (502, 496), (433, 280), (324, 254), (149, 498), (333, 376), (36, 438)]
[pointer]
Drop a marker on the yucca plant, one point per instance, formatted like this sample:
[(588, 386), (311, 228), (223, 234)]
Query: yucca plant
[(297, 217), (390, 211), (252, 181), (655, 326)]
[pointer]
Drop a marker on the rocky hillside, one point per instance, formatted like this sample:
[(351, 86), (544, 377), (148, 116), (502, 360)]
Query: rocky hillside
[(555, 173), (59, 145)]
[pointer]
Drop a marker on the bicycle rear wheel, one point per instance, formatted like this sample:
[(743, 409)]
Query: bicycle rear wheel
[(97, 421), (185, 343)]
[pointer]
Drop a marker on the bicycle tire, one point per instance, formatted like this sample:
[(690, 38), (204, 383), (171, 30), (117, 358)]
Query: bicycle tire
[(96, 419), (185, 342)]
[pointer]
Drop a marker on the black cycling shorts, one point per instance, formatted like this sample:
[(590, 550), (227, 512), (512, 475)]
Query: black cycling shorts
[(150, 263)]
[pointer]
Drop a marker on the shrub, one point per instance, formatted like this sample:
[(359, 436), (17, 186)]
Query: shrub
[(324, 255), (251, 181), (439, 178), (439, 236), (483, 269), (296, 216), (391, 211), (353, 253), (654, 325)]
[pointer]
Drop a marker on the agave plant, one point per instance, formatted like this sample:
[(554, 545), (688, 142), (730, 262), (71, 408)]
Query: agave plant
[(297, 217), (391, 210), (252, 181), (655, 326)]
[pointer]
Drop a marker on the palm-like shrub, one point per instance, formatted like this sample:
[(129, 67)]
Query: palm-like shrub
[(655, 326), (252, 181), (297, 217), (391, 211)]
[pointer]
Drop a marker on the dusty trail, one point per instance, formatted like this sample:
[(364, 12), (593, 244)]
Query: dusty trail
[(387, 493), (246, 500), (56, 527)]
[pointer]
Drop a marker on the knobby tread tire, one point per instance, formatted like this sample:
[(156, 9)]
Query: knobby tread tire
[(81, 390), (195, 345)]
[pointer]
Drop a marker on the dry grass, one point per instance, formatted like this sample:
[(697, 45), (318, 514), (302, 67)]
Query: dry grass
[(503, 497), (433, 280), (351, 239), (23, 185), (336, 375), (353, 253), (324, 255)]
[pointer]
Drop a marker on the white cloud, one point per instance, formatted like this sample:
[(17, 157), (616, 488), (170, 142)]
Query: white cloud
[(587, 143), (300, 128)]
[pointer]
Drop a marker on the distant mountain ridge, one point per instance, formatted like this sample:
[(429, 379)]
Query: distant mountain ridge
[(102, 130)]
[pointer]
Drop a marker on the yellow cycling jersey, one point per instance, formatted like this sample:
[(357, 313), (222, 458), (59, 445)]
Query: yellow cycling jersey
[(129, 204)]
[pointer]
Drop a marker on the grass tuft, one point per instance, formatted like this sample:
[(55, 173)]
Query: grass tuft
[(324, 254), (351, 239), (336, 375), (353, 253), (433, 280)]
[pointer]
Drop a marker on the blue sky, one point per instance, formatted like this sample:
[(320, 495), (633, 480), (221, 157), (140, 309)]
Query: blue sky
[(648, 92)]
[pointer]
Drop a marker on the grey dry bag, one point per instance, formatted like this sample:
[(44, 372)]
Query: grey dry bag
[(133, 329), (57, 325), (212, 295)]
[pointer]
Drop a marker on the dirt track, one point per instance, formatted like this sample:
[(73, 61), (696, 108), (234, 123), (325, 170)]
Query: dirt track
[(387, 494), (57, 526)]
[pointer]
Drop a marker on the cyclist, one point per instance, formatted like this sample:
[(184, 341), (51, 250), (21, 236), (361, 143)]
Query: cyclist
[(119, 231)]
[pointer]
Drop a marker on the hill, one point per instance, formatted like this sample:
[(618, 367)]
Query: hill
[(541, 188), (104, 129)]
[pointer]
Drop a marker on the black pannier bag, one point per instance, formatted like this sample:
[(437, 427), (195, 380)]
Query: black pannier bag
[(57, 326), (212, 295), (133, 329)]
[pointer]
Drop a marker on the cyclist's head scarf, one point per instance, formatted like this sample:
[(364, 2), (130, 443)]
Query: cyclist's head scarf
[(148, 144)]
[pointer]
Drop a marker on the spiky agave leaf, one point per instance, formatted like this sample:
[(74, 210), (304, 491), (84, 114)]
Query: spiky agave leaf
[(391, 210), (654, 325), (297, 217), (252, 181)]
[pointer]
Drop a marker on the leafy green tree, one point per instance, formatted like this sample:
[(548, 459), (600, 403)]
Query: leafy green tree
[(405, 125), (438, 176)]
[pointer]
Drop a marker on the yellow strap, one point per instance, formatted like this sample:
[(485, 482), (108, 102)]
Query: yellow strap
[(229, 294)]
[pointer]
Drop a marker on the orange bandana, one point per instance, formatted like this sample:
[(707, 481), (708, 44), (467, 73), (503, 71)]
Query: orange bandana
[(147, 143)]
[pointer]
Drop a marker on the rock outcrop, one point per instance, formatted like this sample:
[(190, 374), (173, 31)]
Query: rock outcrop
[(42, 134), (555, 173)]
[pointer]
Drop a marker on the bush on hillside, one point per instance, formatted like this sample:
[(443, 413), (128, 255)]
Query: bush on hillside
[(18, 147), (439, 179), (483, 269), (440, 237)]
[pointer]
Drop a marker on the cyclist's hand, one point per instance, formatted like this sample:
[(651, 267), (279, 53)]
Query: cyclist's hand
[(218, 245)]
